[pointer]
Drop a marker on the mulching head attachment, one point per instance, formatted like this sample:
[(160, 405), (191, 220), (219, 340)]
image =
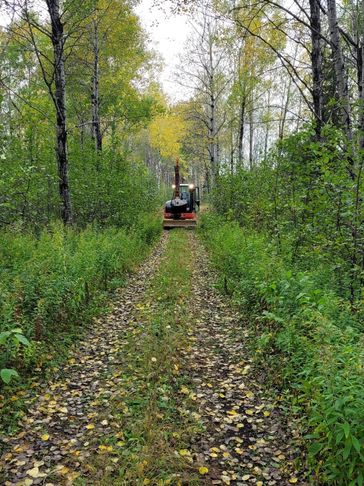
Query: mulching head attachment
[(179, 223)]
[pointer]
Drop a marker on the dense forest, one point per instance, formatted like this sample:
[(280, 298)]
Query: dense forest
[(269, 123)]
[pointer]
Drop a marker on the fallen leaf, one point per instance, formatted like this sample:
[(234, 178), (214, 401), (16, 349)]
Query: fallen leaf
[(35, 473)]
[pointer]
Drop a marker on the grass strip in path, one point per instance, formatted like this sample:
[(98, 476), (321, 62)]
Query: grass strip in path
[(157, 421)]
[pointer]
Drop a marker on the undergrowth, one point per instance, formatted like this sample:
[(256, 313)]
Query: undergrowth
[(308, 340), (52, 284)]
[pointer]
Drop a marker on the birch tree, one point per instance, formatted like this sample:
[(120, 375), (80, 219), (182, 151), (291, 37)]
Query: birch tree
[(206, 72)]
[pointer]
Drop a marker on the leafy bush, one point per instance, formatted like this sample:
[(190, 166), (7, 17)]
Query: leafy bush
[(11, 341), (306, 199), (307, 335), (56, 281)]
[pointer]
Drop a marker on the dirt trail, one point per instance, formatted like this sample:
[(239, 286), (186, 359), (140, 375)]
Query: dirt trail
[(63, 427), (245, 442)]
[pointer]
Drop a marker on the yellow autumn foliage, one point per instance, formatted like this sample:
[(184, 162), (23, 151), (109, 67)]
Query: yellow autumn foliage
[(166, 134)]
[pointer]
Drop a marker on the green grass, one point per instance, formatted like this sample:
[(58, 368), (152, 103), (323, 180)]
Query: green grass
[(155, 417)]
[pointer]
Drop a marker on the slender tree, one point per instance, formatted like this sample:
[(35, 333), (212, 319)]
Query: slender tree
[(59, 100), (316, 62), (340, 70)]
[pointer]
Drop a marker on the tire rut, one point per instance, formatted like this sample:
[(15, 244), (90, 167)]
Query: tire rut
[(247, 439)]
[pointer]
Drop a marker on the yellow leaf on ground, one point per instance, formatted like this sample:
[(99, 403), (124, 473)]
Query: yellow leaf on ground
[(63, 470), (72, 476), (90, 426), (35, 473), (293, 480), (232, 412), (184, 452), (45, 437), (203, 470)]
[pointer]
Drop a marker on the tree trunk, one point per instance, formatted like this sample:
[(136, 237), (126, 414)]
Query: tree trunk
[(316, 63), (212, 124), (241, 130), (60, 104), (232, 148), (95, 95), (360, 57), (266, 140), (340, 71), (251, 136)]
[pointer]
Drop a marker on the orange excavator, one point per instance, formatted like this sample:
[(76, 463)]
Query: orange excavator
[(180, 211)]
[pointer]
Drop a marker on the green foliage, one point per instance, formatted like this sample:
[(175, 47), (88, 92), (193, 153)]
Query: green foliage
[(106, 188), (11, 341), (109, 186), (55, 281), (308, 197), (307, 337), (7, 374)]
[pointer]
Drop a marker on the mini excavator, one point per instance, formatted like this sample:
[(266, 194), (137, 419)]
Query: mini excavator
[(180, 211)]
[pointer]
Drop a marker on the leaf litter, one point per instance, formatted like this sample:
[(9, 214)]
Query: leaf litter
[(245, 440), (68, 419)]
